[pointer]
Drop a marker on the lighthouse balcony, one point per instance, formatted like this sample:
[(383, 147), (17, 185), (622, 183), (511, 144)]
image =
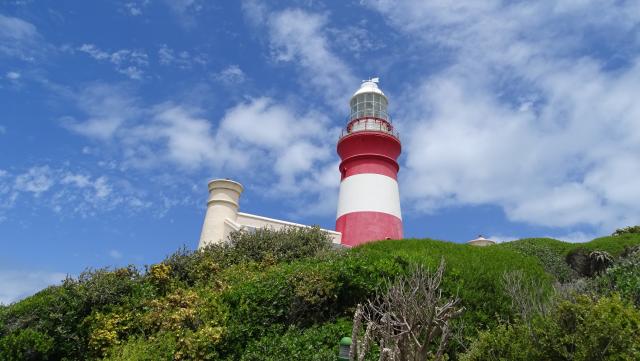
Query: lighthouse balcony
[(369, 124)]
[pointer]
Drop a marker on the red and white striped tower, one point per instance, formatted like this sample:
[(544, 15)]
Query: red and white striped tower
[(369, 200)]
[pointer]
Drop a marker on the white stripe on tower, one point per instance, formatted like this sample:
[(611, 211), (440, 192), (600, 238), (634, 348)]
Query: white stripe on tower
[(369, 192)]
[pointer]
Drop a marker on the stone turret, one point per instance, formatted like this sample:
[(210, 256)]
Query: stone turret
[(222, 211)]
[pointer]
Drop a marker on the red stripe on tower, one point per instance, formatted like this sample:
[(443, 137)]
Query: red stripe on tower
[(369, 200)]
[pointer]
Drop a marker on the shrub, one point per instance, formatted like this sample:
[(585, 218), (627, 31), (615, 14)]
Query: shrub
[(160, 347), (589, 263), (107, 330), (604, 329), (623, 278), (199, 267), (549, 252), (317, 343), (627, 230), (315, 290), (286, 244), (25, 345), (264, 245)]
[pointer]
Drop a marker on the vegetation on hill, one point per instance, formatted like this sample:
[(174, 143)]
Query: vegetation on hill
[(290, 295)]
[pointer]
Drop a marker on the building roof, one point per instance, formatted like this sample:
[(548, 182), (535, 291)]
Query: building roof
[(481, 241), (369, 86)]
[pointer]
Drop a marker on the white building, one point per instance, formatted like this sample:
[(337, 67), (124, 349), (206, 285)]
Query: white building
[(223, 216), (480, 241)]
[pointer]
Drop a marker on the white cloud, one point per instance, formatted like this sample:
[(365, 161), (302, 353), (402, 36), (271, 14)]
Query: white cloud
[(182, 59), (527, 116), (189, 140), (115, 254), (13, 75), (36, 180), (19, 284), (127, 62), (18, 38), (301, 37), (231, 75), (79, 193), (100, 185), (135, 8), (259, 136), (185, 10), (294, 141), (107, 107)]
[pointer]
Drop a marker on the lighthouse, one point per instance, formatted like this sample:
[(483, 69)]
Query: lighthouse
[(369, 199)]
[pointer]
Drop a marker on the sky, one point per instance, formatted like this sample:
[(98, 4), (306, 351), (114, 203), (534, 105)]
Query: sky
[(517, 119)]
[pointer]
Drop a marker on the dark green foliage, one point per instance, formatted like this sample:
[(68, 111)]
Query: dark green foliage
[(263, 245), (317, 343), (585, 330), (281, 246), (25, 345), (566, 261), (623, 278), (159, 348), (627, 230), (549, 252)]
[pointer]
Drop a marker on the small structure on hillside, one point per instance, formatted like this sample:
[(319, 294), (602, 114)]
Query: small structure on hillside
[(223, 216), (480, 241)]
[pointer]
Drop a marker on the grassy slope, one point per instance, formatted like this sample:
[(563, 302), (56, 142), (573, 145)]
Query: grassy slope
[(551, 253), (615, 245)]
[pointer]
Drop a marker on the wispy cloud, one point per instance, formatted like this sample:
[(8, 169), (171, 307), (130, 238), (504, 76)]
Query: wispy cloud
[(181, 59), (115, 254), (13, 75), (135, 7), (36, 180), (186, 11), (301, 37), (78, 193), (107, 107), (126, 61), (231, 75), (19, 39)]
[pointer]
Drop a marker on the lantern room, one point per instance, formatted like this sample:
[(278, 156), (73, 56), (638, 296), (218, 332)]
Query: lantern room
[(369, 110)]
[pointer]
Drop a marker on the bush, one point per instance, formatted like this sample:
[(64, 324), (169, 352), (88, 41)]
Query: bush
[(549, 252), (310, 291), (265, 246), (589, 263), (26, 345), (622, 278), (627, 230), (287, 244), (160, 347), (585, 330), (317, 343)]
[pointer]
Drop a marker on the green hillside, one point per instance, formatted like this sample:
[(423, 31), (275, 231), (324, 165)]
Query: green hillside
[(289, 295)]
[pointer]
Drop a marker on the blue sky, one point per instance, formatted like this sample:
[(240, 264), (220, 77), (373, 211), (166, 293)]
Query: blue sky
[(517, 119)]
